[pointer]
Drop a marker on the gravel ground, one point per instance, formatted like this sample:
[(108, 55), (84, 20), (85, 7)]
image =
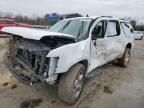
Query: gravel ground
[(109, 86)]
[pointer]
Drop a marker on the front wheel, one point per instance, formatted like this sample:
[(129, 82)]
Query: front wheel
[(124, 61), (71, 84)]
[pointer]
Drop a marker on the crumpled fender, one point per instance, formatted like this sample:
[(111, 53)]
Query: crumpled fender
[(71, 54)]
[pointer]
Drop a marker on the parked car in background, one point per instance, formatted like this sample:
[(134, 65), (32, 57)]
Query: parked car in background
[(139, 35), (68, 52), (10, 22)]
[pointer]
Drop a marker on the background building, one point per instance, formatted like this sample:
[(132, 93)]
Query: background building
[(57, 17)]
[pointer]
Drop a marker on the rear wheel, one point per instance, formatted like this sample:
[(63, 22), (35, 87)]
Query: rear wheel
[(124, 61), (141, 38), (71, 84)]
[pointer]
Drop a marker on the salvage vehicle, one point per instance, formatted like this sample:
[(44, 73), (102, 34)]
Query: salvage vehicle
[(68, 52)]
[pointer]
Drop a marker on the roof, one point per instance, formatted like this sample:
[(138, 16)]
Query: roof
[(95, 17), (92, 17)]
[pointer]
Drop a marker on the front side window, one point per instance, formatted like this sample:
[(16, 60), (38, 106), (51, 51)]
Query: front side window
[(113, 29), (99, 30), (76, 27)]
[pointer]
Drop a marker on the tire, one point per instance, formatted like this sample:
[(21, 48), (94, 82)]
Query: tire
[(71, 84), (141, 38), (124, 61)]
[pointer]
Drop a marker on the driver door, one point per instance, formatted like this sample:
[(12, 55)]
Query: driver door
[(98, 46)]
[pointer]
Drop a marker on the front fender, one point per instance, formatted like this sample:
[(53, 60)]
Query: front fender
[(70, 54)]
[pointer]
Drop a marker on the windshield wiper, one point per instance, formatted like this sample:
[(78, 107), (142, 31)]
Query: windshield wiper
[(62, 29), (81, 30)]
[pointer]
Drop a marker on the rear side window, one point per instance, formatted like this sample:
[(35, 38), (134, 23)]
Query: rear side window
[(113, 29), (9, 22), (127, 29)]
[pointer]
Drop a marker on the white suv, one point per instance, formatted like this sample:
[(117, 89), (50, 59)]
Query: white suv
[(68, 51)]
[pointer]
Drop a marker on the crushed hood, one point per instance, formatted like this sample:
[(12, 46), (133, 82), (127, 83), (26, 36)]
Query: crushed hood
[(30, 33)]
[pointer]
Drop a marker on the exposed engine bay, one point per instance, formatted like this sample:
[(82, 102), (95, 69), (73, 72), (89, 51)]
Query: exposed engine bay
[(28, 56)]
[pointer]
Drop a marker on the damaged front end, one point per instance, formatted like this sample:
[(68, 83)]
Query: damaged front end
[(26, 58)]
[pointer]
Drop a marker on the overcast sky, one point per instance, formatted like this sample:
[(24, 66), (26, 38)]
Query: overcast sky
[(119, 8)]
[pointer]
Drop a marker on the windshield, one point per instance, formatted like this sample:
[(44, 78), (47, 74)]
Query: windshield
[(76, 27)]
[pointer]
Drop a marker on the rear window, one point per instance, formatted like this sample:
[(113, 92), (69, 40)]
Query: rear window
[(9, 22), (127, 28), (1, 21)]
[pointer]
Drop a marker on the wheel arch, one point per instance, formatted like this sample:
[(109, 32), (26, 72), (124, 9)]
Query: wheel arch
[(129, 45), (84, 62)]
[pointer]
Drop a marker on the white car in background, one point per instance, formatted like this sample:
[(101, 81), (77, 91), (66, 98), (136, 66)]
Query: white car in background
[(139, 35)]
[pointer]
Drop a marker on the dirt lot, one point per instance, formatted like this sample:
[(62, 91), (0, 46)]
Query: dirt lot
[(110, 86)]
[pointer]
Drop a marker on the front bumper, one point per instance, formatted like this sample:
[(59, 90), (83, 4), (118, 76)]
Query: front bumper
[(21, 77)]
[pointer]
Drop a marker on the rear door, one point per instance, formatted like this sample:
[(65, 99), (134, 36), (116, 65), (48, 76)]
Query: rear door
[(114, 40)]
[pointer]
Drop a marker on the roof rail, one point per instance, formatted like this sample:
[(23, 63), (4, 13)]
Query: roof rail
[(107, 16)]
